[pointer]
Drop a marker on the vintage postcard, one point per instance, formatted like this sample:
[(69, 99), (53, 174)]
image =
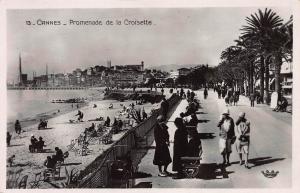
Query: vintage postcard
[(189, 96)]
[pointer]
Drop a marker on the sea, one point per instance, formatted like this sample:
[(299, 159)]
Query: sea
[(29, 105)]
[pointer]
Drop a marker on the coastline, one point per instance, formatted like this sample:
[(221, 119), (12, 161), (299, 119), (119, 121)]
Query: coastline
[(60, 133), (33, 121)]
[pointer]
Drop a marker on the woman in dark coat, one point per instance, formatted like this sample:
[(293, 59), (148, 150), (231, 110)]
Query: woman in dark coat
[(162, 155), (180, 147), (194, 144)]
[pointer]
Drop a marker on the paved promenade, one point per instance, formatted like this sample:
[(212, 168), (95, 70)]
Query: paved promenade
[(270, 149)]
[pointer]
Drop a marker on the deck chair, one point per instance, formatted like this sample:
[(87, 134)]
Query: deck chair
[(67, 176), (74, 176), (23, 182), (37, 180), (12, 179), (56, 172), (71, 147)]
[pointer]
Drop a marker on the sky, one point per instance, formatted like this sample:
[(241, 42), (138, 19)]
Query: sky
[(176, 36)]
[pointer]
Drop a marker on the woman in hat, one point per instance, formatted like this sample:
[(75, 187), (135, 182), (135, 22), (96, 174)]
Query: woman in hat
[(227, 135), (180, 147), (243, 138), (162, 156)]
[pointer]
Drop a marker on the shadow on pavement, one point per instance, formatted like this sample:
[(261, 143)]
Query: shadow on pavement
[(202, 113), (206, 135), (211, 171), (203, 121), (141, 175), (48, 128), (13, 145), (47, 151), (264, 160), (143, 185), (69, 164)]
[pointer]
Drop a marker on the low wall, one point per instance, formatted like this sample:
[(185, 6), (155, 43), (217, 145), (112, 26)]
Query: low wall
[(97, 174)]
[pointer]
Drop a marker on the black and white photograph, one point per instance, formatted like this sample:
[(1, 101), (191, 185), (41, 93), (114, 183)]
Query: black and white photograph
[(149, 97)]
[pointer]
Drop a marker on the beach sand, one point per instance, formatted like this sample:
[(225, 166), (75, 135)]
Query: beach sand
[(60, 134)]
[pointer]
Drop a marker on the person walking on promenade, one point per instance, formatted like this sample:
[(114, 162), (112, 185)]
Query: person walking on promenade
[(205, 93), (188, 94), (227, 136), (219, 92), (180, 147), (192, 124), (107, 122), (162, 91), (243, 138), (8, 138), (181, 92), (162, 156), (164, 108), (18, 127), (192, 95), (252, 99)]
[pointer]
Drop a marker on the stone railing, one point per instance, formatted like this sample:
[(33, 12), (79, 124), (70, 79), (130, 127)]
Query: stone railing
[(97, 174)]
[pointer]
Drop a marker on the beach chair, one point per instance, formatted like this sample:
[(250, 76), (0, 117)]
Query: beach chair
[(71, 147), (37, 179), (80, 139), (50, 173), (74, 176), (12, 178), (107, 138), (67, 176), (23, 182)]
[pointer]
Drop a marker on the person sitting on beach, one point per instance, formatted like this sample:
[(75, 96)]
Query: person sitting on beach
[(32, 146), (40, 144), (11, 160), (50, 162), (95, 106), (92, 130), (18, 127), (59, 156), (80, 116), (111, 106), (43, 124), (8, 138), (107, 122)]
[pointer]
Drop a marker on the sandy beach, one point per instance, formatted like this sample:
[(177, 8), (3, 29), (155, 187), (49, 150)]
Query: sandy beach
[(60, 132)]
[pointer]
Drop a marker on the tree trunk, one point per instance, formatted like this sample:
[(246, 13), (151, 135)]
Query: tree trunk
[(249, 83), (278, 63), (267, 80), (262, 67), (251, 78)]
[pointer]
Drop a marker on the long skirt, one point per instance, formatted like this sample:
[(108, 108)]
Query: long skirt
[(162, 155)]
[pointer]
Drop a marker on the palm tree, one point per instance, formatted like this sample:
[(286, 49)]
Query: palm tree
[(281, 43), (258, 28)]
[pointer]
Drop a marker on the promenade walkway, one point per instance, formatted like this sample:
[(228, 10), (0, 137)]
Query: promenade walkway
[(270, 149)]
